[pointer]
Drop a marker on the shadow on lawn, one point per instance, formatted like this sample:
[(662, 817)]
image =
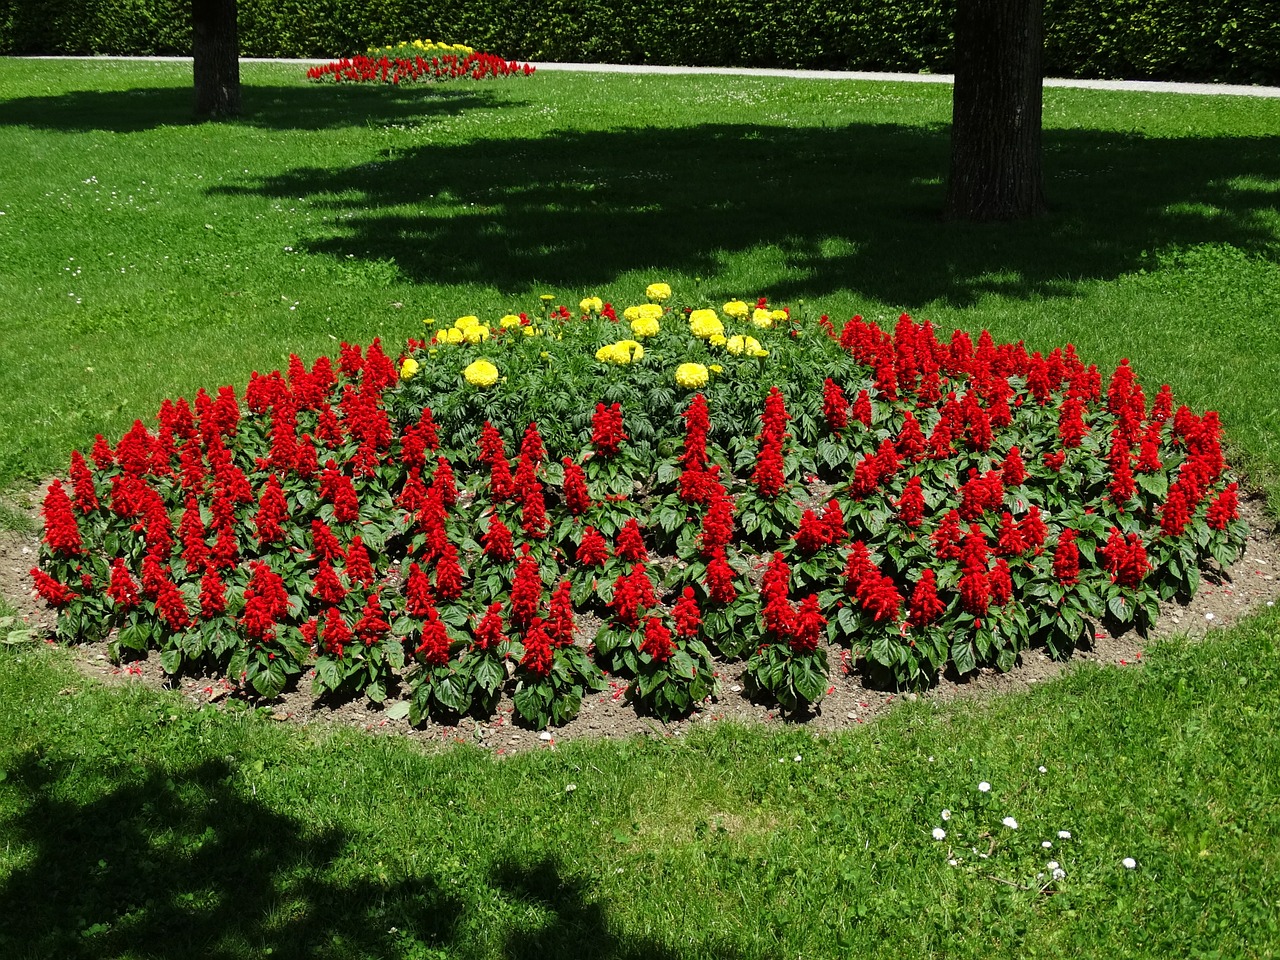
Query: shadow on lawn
[(188, 865), (283, 107), (853, 208)]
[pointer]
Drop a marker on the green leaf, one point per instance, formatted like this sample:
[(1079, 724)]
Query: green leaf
[(682, 665), (963, 658), (1121, 609), (398, 710), (171, 660)]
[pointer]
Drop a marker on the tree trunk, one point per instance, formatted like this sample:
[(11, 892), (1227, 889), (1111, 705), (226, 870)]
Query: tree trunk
[(216, 56), (996, 171)]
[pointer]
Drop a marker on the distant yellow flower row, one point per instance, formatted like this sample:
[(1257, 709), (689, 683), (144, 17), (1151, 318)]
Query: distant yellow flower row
[(420, 47)]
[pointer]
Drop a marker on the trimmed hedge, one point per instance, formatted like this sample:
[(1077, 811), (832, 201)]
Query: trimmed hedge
[(1219, 40)]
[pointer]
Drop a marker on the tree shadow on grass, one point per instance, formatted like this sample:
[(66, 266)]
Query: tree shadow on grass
[(853, 208), (187, 864), (184, 865), (279, 107)]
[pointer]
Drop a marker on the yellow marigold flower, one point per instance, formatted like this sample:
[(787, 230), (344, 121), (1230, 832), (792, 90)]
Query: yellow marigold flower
[(705, 324), (429, 321), (716, 368), (605, 354), (621, 353), (409, 368), (591, 305), (738, 345), (476, 334), (546, 297), (531, 331), (691, 376), (452, 335), (762, 318), (716, 340), (644, 327), (481, 373), (510, 320), (468, 321), (658, 292), (736, 309), (781, 315)]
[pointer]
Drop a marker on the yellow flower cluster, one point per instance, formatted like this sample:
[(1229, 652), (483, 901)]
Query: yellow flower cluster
[(739, 345), (645, 311), (591, 305), (420, 47), (409, 368), (467, 329), (658, 292), (621, 353), (736, 309), (691, 376), (644, 327), (705, 324), (481, 373)]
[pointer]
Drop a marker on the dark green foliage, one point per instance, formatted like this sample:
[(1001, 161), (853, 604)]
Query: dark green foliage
[(1226, 40)]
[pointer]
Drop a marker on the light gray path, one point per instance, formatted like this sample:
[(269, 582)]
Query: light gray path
[(1143, 86)]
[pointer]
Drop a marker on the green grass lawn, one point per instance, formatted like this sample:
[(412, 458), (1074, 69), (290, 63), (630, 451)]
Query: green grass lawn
[(143, 256)]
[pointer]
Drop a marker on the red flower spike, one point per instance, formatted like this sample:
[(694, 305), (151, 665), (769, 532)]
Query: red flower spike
[(434, 648), (910, 443), (122, 590), (925, 606), (417, 592), (719, 579), (576, 496), (526, 592), (835, 407), (911, 505), (497, 542), (443, 481), (1000, 582), (86, 499), (592, 551), (335, 635), (488, 634), (1066, 558), (1125, 558), (213, 595), (833, 522), (1032, 529), (61, 532), (1224, 509), (102, 455), (1013, 473), (561, 625), (372, 625), (632, 594), (272, 512), (448, 574), (861, 409), (807, 626), (539, 655), (630, 543), (327, 587), (606, 430), (686, 615)]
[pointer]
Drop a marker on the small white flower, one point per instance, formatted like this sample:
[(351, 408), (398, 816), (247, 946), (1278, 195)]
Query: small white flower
[(939, 833), (952, 862), (797, 758), (1043, 769), (1052, 865), (946, 814), (1046, 844), (1059, 874), (1011, 823), (1064, 834), (984, 787), (1129, 863)]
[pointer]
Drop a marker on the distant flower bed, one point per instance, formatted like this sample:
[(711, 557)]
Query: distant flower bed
[(418, 60), (718, 483)]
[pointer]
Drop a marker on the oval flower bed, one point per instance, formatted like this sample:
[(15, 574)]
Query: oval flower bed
[(418, 61), (530, 504)]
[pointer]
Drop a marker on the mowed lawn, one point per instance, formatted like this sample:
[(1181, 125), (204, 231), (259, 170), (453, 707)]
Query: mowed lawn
[(143, 256)]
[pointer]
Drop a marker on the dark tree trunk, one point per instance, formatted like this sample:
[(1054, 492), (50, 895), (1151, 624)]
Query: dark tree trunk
[(216, 55), (996, 171)]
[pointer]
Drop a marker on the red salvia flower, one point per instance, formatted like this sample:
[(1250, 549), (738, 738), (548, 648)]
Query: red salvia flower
[(879, 596), (1125, 558), (329, 428), (719, 579), (493, 454), (946, 538), (533, 512), (497, 542), (576, 496), (327, 587), (911, 443), (51, 591), (1176, 511), (768, 476), (861, 408), (592, 551), (61, 532), (1149, 448), (443, 481), (1032, 529), (717, 526), (213, 595), (122, 589), (102, 455), (560, 625), (488, 634), (835, 407), (434, 648), (1162, 406), (1055, 461), (265, 602), (172, 606), (272, 512), (911, 505), (448, 574), (526, 591), (686, 616), (359, 568), (630, 543), (195, 551), (350, 360), (1224, 509), (812, 535), (532, 448), (925, 607), (606, 430), (1013, 472), (372, 625), (1010, 541), (632, 593), (1122, 486), (335, 635), (807, 625), (414, 492), (191, 468), (86, 498), (697, 426), (337, 488), (1000, 582), (324, 545), (833, 521), (539, 655), (417, 592), (1066, 558), (1071, 426)]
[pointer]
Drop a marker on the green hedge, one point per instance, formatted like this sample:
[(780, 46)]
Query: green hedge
[(1217, 40)]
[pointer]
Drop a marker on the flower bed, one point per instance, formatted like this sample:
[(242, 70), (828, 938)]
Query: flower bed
[(695, 484), (419, 60)]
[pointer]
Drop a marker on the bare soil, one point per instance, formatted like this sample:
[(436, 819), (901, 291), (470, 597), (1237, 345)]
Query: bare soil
[(1251, 584)]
